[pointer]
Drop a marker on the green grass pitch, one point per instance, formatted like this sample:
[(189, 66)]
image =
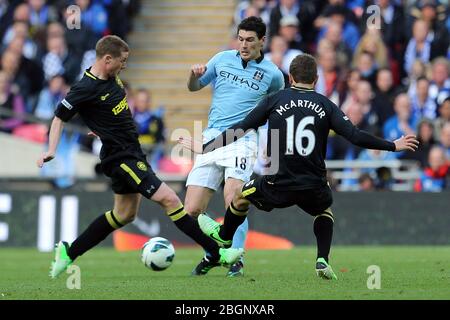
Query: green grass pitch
[(406, 273)]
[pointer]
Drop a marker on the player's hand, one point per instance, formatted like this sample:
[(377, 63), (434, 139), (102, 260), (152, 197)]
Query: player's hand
[(46, 157), (92, 134), (191, 144), (408, 142), (198, 70)]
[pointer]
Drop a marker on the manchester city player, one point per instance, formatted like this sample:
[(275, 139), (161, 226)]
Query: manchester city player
[(241, 79)]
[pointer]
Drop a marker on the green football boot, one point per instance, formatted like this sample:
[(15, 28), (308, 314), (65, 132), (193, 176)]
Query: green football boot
[(62, 260), (227, 257), (324, 270), (212, 228), (230, 256)]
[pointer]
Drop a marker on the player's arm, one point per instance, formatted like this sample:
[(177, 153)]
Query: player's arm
[(342, 125), (201, 75), (256, 118), (197, 70), (65, 110), (53, 141)]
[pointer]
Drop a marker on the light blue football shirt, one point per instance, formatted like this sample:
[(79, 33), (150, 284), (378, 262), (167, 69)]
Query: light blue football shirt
[(238, 87)]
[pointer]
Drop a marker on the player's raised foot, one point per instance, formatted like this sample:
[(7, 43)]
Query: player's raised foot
[(227, 258), (212, 228), (237, 269), (204, 266), (61, 261), (324, 270), (230, 256)]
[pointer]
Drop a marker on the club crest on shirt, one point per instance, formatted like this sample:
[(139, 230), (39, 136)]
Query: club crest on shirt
[(141, 166), (259, 75)]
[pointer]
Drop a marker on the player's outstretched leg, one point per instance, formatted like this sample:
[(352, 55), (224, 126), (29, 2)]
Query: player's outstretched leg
[(124, 212), (216, 256), (96, 232), (212, 229), (223, 234), (190, 227), (228, 256), (323, 230)]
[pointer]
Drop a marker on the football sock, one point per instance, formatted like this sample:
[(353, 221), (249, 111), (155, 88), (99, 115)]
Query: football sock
[(323, 230), (96, 232), (190, 227), (233, 219), (240, 235)]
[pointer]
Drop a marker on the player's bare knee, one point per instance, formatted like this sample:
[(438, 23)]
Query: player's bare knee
[(170, 200), (193, 210), (126, 216), (130, 217), (238, 195), (229, 199), (232, 189), (241, 203)]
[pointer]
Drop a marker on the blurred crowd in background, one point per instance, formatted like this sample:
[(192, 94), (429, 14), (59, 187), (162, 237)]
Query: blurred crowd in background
[(43, 52), (386, 67), (390, 73)]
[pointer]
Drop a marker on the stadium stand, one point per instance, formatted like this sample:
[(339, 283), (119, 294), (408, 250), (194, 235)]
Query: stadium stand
[(390, 82)]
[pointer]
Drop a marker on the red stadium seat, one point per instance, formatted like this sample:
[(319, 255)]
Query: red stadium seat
[(32, 132)]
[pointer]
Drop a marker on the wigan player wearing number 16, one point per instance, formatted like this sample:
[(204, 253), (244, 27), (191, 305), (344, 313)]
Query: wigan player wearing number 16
[(242, 78), (303, 118)]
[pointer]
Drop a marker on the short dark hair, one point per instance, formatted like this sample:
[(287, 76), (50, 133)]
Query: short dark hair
[(384, 69), (444, 101), (253, 24), (112, 45), (304, 68), (422, 78), (335, 9)]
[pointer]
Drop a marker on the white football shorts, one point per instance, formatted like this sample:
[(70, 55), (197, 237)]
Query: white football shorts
[(235, 160)]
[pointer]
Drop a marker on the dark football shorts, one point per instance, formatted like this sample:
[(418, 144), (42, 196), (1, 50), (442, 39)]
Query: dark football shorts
[(131, 173), (266, 197)]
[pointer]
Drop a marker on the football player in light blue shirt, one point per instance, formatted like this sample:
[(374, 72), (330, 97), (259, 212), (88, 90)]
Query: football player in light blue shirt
[(241, 79)]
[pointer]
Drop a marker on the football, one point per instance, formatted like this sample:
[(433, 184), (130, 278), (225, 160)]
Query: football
[(157, 254)]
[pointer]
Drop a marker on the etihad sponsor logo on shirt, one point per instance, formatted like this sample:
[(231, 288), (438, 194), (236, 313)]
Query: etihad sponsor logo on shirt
[(239, 80), (120, 107)]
